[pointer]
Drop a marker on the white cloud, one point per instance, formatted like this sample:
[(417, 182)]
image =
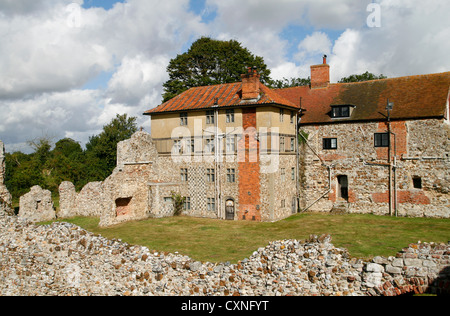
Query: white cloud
[(316, 43), (410, 41), (136, 78), (49, 51)]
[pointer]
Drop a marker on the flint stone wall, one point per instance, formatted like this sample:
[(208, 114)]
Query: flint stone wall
[(37, 205), (124, 195), (422, 150), (5, 196), (64, 259)]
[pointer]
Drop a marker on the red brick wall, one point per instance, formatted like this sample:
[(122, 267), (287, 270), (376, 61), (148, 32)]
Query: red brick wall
[(399, 129), (320, 76), (249, 171), (404, 196)]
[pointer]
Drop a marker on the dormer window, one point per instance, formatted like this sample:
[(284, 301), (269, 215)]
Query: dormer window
[(341, 111)]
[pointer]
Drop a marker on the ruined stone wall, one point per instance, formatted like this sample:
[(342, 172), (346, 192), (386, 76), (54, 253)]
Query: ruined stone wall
[(5, 196), (37, 205), (422, 175), (417, 269), (63, 259), (124, 195)]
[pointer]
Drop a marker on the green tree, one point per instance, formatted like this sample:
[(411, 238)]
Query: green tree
[(210, 62), (367, 76), (66, 163), (101, 150), (23, 171)]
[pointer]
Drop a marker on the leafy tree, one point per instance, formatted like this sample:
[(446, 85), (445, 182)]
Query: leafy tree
[(101, 150), (210, 62), (367, 76), (67, 161)]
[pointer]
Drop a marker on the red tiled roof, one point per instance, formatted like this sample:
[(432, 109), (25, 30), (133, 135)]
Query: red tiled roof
[(227, 95), (414, 97)]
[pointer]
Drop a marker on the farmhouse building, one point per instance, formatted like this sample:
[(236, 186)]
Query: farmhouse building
[(378, 146), (243, 151), (232, 148)]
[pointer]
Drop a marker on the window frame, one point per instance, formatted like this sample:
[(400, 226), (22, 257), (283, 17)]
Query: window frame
[(184, 119), (340, 111), (231, 175), (187, 203), (381, 142), (184, 174), (211, 204), (328, 143), (230, 116), (211, 175), (210, 117), (230, 143)]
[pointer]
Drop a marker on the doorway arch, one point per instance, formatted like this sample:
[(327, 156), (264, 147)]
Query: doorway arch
[(230, 211)]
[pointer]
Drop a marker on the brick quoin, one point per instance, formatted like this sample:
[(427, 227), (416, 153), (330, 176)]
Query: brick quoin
[(412, 197), (249, 172), (400, 131)]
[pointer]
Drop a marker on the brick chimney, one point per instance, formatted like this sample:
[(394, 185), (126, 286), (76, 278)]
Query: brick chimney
[(250, 84), (320, 75)]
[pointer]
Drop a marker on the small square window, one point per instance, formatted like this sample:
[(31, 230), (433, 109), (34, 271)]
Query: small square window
[(340, 111), (330, 143), (417, 182), (381, 140)]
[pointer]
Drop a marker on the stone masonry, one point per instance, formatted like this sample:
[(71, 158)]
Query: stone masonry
[(37, 205), (124, 195), (62, 259), (421, 179), (5, 196)]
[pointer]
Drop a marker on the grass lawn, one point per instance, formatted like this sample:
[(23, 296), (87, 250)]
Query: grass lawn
[(365, 236)]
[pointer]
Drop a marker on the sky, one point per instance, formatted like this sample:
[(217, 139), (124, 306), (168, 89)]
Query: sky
[(67, 67)]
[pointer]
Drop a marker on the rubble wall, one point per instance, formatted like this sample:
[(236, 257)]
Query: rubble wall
[(422, 176), (5, 196)]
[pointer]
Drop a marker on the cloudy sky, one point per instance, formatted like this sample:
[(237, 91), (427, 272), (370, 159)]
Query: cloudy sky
[(67, 67)]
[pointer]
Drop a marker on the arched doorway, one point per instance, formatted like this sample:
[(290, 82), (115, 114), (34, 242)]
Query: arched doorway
[(229, 210)]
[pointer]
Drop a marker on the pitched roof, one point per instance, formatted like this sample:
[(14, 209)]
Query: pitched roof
[(414, 97), (225, 95)]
